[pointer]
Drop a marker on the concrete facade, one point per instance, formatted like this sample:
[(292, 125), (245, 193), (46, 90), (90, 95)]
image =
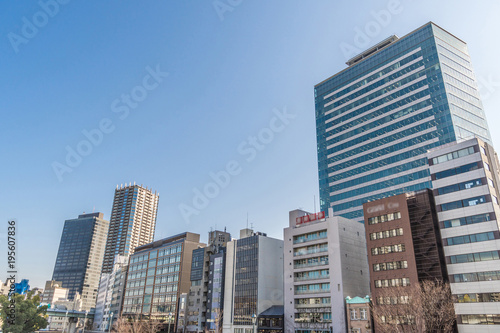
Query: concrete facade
[(111, 291), (132, 223), (253, 280), (324, 262)]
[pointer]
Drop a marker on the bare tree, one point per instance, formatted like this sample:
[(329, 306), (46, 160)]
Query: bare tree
[(135, 325), (424, 307)]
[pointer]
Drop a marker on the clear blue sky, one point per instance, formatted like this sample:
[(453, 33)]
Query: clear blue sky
[(228, 71)]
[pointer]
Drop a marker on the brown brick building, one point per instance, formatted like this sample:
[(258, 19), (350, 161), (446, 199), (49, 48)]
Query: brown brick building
[(403, 242)]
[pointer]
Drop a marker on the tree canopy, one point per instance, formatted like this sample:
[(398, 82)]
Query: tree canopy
[(22, 313)]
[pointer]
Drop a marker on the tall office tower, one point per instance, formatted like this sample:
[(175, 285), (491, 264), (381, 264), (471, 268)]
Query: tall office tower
[(404, 245), (158, 274), (253, 280), (206, 295), (465, 178), (133, 221), (377, 118), (79, 259), (324, 263)]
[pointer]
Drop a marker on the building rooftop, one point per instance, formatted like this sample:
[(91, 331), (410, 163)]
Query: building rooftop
[(273, 311), (357, 300)]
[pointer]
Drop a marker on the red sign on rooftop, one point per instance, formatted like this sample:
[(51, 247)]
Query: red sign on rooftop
[(309, 218)]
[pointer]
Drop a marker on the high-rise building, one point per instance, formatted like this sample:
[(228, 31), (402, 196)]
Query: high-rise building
[(465, 180), (158, 274), (404, 245), (253, 280), (325, 261), (132, 224), (79, 259), (377, 118), (206, 296)]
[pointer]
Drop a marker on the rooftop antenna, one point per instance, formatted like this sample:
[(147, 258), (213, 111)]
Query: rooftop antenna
[(247, 220), (315, 204)]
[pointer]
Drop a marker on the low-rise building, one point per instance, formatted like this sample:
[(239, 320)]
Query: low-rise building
[(325, 261), (110, 295), (359, 319), (253, 280), (404, 245), (158, 274), (206, 295)]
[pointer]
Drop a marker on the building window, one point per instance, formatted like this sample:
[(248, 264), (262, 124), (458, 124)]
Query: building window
[(353, 314), (463, 203), (475, 238), (487, 166), (474, 257), (362, 314), (479, 319), (384, 218), (454, 155), (467, 220), (456, 171), (388, 249), (386, 234)]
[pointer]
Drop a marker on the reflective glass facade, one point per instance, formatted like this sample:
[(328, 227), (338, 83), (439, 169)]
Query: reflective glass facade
[(377, 118), (245, 284), (79, 259)]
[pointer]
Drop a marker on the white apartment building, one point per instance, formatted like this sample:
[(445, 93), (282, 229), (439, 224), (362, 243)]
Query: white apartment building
[(325, 261)]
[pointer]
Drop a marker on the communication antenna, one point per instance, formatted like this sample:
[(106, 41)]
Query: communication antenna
[(247, 220)]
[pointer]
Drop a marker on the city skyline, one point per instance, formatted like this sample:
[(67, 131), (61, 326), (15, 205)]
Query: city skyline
[(198, 118)]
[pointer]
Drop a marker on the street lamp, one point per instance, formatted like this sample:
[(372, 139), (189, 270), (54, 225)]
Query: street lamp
[(85, 320), (254, 319), (169, 320), (110, 321)]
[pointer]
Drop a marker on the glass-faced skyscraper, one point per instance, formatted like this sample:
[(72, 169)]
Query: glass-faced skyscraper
[(79, 259), (132, 224), (377, 118)]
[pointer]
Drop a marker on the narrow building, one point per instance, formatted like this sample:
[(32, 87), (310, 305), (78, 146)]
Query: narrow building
[(324, 262), (404, 246), (253, 280)]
